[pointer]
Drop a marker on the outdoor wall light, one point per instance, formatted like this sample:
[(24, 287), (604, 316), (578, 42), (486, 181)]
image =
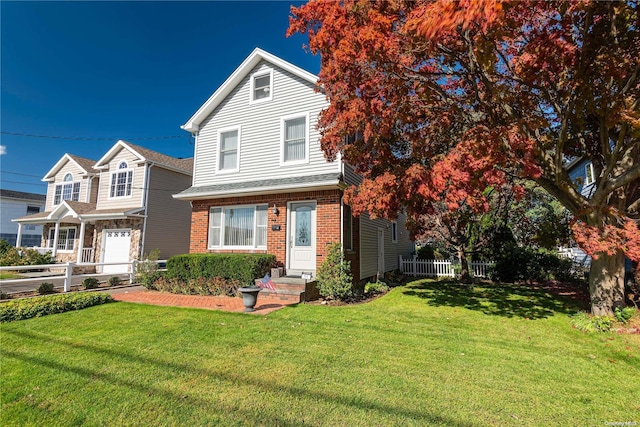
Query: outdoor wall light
[(275, 210)]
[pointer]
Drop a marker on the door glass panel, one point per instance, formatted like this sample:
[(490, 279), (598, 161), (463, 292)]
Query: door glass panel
[(303, 226)]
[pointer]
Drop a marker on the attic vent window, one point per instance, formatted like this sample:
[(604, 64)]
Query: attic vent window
[(261, 86), (123, 165), (68, 177)]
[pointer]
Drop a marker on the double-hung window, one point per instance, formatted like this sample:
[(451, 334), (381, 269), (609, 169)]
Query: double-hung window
[(347, 224), (229, 150), (69, 190), (589, 175), (295, 139), (262, 86), (238, 227), (66, 238), (121, 181), (394, 232)]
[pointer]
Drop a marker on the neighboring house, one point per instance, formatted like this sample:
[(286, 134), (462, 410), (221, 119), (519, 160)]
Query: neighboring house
[(115, 209), (19, 203), (261, 182)]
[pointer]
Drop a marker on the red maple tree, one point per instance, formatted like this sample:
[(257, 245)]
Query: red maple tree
[(449, 97)]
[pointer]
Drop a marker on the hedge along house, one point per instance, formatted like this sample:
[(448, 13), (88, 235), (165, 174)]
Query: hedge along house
[(261, 182), (115, 209)]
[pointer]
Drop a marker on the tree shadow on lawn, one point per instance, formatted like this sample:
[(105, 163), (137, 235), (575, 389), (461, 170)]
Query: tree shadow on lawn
[(498, 299)]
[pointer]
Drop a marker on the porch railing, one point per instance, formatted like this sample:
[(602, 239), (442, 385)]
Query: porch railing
[(87, 255)]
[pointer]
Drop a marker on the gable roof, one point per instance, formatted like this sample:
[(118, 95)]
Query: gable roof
[(85, 165), (12, 194), (145, 155), (193, 124)]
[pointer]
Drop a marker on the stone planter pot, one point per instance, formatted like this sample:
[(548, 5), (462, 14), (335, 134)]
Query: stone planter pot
[(249, 297)]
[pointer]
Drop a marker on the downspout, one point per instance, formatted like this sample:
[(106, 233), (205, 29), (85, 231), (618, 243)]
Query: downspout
[(147, 173), (195, 158)]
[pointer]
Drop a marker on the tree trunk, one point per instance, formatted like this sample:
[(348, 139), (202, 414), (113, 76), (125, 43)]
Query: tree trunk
[(465, 277), (606, 283)]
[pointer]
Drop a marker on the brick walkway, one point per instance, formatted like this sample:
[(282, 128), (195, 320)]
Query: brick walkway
[(138, 294)]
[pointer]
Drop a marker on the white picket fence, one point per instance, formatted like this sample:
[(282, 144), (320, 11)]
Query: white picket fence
[(440, 268)]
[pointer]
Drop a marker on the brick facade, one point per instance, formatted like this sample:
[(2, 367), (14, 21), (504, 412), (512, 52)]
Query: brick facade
[(327, 223)]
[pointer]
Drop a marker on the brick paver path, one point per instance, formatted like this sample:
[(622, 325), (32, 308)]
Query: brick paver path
[(145, 296)]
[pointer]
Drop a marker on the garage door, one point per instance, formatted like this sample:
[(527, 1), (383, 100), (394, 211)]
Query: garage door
[(115, 248)]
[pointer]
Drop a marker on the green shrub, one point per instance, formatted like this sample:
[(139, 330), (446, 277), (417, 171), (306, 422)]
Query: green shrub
[(45, 288), (90, 282), (531, 265), (375, 287), (198, 286), (147, 269), (41, 306), (4, 295), (334, 278), (4, 246), (585, 322), (24, 256), (244, 268), (623, 315), (114, 281)]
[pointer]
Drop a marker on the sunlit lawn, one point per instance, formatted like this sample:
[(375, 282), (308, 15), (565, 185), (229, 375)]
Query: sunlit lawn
[(425, 354)]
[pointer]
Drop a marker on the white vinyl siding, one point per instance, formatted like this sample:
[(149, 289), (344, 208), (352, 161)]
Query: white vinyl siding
[(229, 149), (66, 238), (238, 227), (261, 139), (369, 244), (78, 178), (261, 86)]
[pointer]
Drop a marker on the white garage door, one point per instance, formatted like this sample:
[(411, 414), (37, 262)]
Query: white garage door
[(115, 248)]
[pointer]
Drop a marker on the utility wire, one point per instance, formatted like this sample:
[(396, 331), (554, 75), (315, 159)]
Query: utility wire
[(82, 138), (22, 174)]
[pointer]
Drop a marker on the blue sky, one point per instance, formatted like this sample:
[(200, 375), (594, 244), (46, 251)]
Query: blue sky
[(85, 74)]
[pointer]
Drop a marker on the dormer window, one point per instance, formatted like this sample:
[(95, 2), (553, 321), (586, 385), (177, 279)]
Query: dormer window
[(121, 181), (262, 86), (69, 190)]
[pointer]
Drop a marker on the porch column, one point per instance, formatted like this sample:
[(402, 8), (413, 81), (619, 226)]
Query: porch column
[(55, 240), (81, 242), (19, 236)]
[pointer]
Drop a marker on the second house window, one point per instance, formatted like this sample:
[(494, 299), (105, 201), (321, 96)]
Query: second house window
[(238, 227), (295, 139), (229, 149), (121, 181)]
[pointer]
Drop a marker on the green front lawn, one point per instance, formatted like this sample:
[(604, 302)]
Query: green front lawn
[(425, 354)]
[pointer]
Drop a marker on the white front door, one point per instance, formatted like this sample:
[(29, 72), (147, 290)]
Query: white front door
[(115, 248), (302, 238), (380, 251)]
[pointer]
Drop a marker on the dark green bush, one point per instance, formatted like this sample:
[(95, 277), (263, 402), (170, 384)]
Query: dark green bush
[(90, 282), (24, 256), (4, 246), (45, 288), (114, 281), (41, 306), (198, 286), (334, 278), (244, 268), (531, 265), (375, 287)]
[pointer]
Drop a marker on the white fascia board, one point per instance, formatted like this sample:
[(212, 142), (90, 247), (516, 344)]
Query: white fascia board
[(101, 164), (49, 176), (327, 185), (193, 124), (40, 220)]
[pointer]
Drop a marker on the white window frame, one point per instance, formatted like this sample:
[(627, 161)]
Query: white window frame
[(394, 232), (221, 245), (118, 171), (283, 121), (66, 241), (589, 168), (256, 75), (219, 149)]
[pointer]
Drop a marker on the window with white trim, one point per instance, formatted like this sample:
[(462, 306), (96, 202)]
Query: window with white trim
[(121, 181), (66, 238), (262, 86), (295, 139), (229, 149), (394, 232), (589, 176), (347, 224), (68, 191), (238, 227)]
